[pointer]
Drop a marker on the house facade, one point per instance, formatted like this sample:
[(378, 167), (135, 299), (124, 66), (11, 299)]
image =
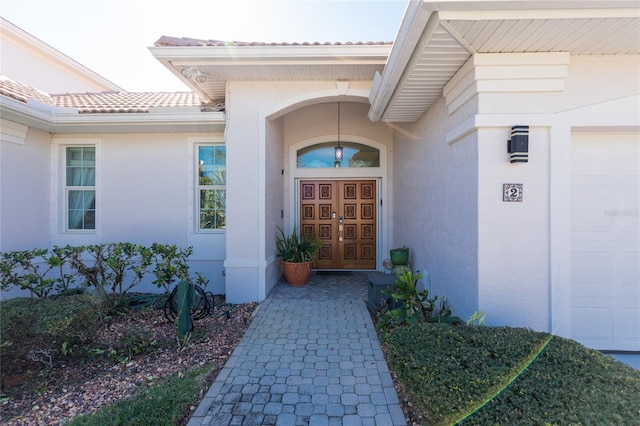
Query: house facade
[(498, 140)]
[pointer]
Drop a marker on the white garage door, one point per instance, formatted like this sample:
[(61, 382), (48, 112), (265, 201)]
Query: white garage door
[(605, 241)]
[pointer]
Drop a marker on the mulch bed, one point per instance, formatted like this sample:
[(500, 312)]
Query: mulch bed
[(35, 394)]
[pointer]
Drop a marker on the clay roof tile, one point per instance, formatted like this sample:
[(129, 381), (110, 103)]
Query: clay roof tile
[(169, 41), (107, 102)]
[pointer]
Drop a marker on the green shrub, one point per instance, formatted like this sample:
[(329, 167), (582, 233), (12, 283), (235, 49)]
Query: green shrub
[(59, 325), (170, 264), (113, 268), (32, 270), (134, 342), (501, 375)]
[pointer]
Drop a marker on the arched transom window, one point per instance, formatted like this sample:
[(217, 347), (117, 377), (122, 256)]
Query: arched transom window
[(322, 155)]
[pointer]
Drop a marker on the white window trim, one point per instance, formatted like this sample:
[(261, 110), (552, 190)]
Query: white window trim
[(59, 209), (193, 213)]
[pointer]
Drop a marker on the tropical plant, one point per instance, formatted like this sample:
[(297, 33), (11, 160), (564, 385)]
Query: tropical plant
[(410, 306), (295, 248)]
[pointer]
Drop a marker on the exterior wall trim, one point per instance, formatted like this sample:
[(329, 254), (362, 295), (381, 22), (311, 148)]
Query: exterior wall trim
[(13, 132), (498, 120), (506, 73)]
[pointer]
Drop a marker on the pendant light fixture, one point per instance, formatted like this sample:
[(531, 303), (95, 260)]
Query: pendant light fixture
[(338, 148)]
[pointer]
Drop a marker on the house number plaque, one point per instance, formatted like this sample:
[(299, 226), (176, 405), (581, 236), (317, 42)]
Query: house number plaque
[(512, 192)]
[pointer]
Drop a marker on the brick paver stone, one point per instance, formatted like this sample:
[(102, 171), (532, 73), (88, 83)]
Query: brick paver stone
[(311, 356)]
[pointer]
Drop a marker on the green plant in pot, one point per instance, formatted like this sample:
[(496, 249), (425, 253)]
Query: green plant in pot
[(400, 255), (298, 254)]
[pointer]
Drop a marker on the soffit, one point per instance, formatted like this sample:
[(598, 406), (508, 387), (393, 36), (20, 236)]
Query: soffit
[(452, 37), (207, 67)]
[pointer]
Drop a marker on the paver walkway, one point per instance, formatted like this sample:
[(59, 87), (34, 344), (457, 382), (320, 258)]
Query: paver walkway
[(311, 356)]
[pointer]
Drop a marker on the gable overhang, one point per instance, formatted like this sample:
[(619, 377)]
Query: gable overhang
[(20, 37), (436, 39), (206, 69)]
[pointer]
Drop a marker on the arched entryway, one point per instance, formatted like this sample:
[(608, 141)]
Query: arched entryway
[(346, 207)]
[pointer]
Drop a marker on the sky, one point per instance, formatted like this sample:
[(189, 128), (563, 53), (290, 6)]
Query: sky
[(111, 37)]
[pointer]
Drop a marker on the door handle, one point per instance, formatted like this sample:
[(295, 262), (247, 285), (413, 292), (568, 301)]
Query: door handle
[(340, 231)]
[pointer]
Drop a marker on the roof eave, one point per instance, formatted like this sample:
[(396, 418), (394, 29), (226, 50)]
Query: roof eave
[(416, 17), (67, 120), (415, 32), (31, 113), (265, 55), (193, 122), (178, 58)]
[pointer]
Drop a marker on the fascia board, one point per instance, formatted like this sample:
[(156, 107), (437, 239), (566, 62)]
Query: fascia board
[(485, 15), (492, 6), (142, 118), (410, 36), (31, 113), (265, 55), (478, 10)]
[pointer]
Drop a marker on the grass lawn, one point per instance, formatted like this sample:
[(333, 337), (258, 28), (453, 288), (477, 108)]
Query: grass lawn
[(500, 375), (164, 404)]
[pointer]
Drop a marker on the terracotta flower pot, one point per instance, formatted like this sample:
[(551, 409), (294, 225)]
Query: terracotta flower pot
[(297, 274)]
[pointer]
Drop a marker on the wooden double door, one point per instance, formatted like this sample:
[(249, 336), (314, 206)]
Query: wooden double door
[(342, 213)]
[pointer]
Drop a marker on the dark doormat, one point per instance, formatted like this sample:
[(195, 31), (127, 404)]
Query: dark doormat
[(333, 273)]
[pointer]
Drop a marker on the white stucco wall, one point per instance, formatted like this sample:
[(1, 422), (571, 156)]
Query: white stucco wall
[(513, 237), (523, 248), (24, 185), (511, 260), (250, 106), (321, 120), (274, 198), (24, 193), (145, 194), (436, 208)]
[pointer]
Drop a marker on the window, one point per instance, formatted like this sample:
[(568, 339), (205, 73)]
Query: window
[(212, 178), (80, 187), (323, 155)]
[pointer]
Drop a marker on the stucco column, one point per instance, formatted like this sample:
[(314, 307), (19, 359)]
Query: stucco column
[(244, 165)]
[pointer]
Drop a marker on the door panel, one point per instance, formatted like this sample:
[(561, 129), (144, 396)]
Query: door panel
[(357, 250), (605, 241), (318, 209), (343, 215)]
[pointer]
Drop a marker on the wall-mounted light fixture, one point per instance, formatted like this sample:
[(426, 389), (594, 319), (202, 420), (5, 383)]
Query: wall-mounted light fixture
[(338, 148), (518, 145)]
